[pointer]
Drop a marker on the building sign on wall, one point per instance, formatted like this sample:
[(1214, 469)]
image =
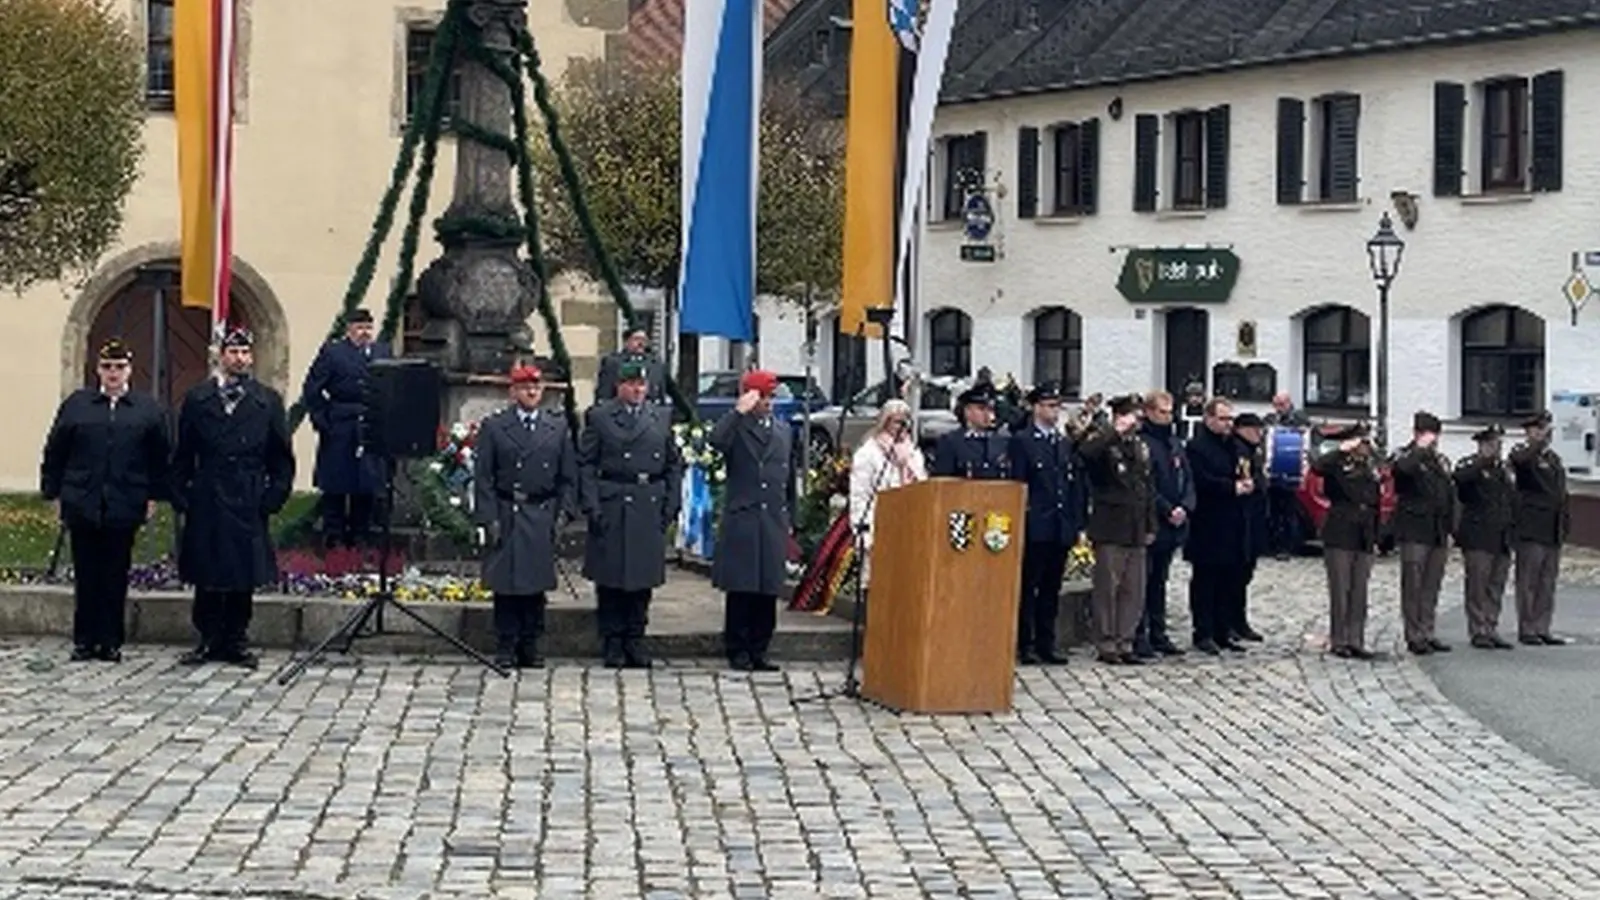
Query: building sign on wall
[(1178, 275)]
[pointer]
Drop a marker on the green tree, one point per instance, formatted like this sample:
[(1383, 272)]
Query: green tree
[(71, 116)]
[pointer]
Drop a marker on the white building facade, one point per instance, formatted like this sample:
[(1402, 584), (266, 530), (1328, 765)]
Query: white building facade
[(1234, 211)]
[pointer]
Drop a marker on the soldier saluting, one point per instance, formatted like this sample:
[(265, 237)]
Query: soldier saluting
[(975, 451), (104, 466), (1423, 516), (349, 477), (1122, 523), (524, 478), (1488, 499), (1349, 537), (1544, 517), (630, 477)]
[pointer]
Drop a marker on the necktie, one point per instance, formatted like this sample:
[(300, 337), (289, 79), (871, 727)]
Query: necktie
[(529, 422)]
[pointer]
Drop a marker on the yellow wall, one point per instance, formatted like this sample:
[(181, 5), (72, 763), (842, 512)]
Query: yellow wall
[(317, 139)]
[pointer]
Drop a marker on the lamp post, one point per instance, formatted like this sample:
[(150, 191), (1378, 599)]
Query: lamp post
[(1383, 254)]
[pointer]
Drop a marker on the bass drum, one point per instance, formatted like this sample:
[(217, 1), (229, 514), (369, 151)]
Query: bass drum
[(1286, 455)]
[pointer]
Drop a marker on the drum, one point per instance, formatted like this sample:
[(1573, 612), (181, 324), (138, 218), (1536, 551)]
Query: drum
[(1286, 455)]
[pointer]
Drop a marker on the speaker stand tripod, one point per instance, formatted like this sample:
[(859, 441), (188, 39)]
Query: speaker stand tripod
[(372, 612)]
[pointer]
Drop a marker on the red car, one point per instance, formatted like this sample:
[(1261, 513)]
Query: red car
[(1314, 504)]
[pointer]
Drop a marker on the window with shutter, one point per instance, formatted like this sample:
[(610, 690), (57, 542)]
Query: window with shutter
[(1337, 175), (1291, 149), (1216, 157), (963, 170), (1188, 160), (1449, 121), (1067, 148), (1027, 172), (1505, 135), (1548, 113), (1089, 166), (1146, 140)]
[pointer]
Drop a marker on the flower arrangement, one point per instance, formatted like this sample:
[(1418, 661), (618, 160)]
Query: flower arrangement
[(453, 460), (694, 445), (1080, 559), (826, 482)]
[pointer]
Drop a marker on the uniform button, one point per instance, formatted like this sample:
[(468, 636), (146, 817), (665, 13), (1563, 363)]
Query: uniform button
[(626, 454), (763, 506), (763, 485)]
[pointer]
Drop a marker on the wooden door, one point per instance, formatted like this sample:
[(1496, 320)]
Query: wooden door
[(131, 316)]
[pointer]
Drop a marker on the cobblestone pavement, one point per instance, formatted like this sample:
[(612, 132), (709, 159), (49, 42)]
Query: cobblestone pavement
[(1279, 774)]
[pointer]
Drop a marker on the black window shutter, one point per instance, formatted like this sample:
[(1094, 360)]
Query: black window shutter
[(1547, 115), (1449, 121), (980, 156), (1291, 149), (1088, 166), (1344, 118), (1146, 144), (1217, 157), (1027, 172)]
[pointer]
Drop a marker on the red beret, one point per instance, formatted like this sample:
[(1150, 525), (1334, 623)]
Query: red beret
[(524, 374), (759, 380)]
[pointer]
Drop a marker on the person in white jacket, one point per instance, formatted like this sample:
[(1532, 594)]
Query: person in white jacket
[(887, 458)]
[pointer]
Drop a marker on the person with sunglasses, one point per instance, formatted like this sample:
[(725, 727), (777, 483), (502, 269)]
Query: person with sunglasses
[(104, 467)]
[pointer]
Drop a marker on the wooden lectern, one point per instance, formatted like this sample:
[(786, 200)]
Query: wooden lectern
[(942, 602)]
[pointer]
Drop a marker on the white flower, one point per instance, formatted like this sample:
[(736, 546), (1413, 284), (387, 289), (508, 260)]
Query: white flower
[(716, 474), (455, 501), (459, 431), (466, 456), (436, 466)]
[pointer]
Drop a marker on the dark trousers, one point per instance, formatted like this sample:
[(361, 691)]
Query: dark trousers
[(622, 617), (223, 619), (518, 621), (1283, 519), (1043, 565), (1211, 597), (748, 621), (100, 561), (1236, 611), (1153, 624), (348, 519)]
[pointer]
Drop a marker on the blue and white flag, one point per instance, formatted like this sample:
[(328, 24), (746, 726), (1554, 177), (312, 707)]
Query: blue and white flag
[(721, 166), (903, 22), (696, 514)]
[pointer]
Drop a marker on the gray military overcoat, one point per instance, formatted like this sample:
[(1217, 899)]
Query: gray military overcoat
[(522, 480), (753, 537), (631, 478)]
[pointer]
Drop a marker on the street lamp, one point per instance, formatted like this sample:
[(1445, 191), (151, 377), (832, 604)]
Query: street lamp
[(1383, 254)]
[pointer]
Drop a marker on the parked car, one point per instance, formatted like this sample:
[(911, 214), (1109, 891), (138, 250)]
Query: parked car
[(717, 392), (1314, 503), (844, 425)]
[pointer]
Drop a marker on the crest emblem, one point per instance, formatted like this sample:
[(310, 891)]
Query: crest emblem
[(996, 532), (1145, 268), (960, 529)]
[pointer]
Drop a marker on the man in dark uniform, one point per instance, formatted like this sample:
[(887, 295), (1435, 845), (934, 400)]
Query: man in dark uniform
[(1043, 458), (1351, 483), (1256, 536), (1217, 549), (630, 478), (975, 451), (349, 477), (635, 350), (1488, 498), (1423, 518), (1122, 524), (232, 469), (104, 467), (524, 479), (1544, 519), (750, 563), (1175, 499)]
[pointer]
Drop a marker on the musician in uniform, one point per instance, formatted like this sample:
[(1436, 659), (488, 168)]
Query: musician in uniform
[(1175, 500), (636, 351), (1042, 457), (233, 468), (348, 475), (524, 480), (975, 451), (1216, 547), (1488, 498), (1122, 524), (1256, 535), (104, 467), (1351, 482), (1423, 518), (1544, 518), (630, 476), (750, 563)]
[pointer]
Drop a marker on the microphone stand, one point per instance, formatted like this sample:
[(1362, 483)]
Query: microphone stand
[(858, 614)]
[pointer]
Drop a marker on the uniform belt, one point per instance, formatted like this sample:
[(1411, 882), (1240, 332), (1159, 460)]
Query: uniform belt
[(637, 478), (524, 496)]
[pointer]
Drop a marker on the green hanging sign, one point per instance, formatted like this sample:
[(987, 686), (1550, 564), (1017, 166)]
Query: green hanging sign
[(1179, 275)]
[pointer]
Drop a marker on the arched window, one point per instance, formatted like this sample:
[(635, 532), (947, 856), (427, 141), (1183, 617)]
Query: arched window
[(1502, 362), (1058, 349), (1338, 353), (950, 343)]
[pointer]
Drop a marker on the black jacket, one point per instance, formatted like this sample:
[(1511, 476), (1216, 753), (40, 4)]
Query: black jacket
[(1174, 484), (1217, 535), (1425, 497), (1353, 487), (105, 462), (1058, 495), (1488, 498)]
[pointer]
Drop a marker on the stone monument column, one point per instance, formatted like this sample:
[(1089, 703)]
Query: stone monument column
[(478, 295)]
